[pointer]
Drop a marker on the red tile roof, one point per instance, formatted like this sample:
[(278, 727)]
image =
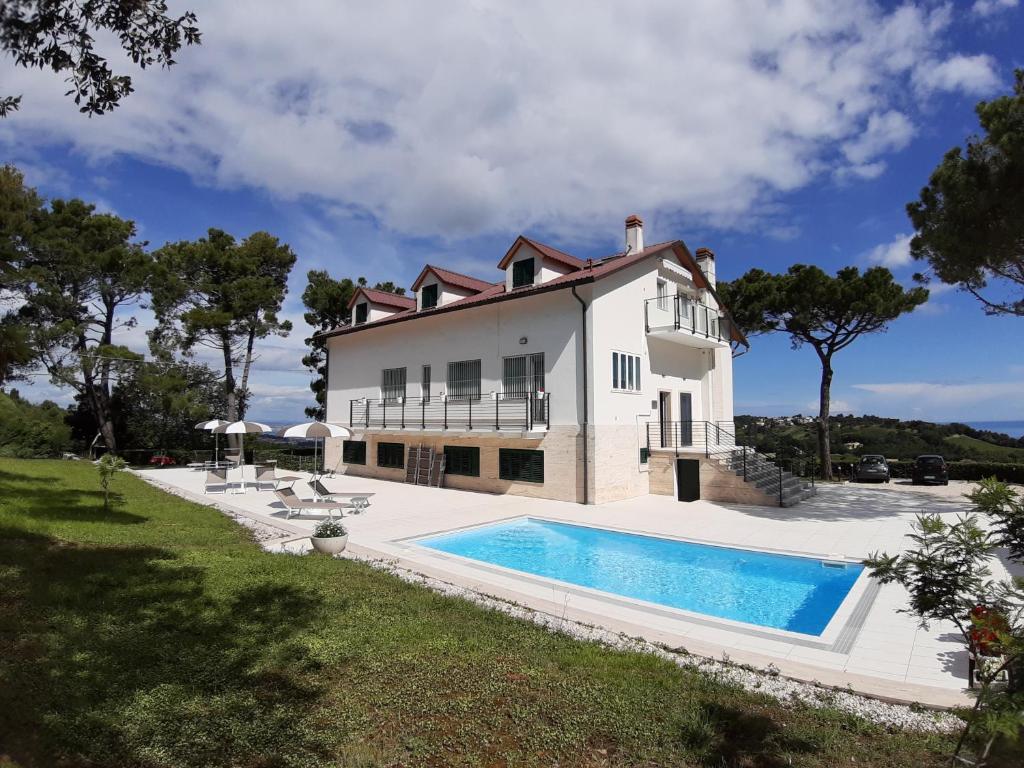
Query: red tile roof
[(588, 272), (552, 253), (382, 297), (448, 277)]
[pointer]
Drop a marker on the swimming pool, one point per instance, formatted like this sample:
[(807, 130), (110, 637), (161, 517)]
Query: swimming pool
[(797, 594)]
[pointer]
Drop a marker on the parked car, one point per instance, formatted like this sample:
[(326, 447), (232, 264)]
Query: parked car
[(162, 460), (872, 468), (929, 469)]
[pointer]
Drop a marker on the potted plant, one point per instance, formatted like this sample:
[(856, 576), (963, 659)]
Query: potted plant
[(329, 537)]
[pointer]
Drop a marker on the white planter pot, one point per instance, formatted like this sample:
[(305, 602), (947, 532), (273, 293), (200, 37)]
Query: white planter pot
[(331, 545)]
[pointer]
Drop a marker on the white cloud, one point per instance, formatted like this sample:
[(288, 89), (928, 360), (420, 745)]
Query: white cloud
[(973, 75), (947, 399), (986, 8), (895, 253), (885, 132), (465, 118)]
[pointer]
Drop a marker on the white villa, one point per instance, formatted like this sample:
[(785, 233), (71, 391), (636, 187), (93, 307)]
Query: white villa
[(570, 379)]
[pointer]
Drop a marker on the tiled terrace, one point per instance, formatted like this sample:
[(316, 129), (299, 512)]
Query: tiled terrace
[(870, 646)]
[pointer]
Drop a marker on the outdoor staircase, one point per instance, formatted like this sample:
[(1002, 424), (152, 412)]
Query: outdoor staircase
[(767, 476)]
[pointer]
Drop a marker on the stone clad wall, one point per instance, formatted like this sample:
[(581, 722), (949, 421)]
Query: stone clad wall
[(716, 482), (563, 474)]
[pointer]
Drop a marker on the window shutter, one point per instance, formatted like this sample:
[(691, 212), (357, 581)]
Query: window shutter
[(522, 273), (521, 465), (462, 460)]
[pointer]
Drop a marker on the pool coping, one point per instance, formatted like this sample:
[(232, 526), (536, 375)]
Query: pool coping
[(839, 634)]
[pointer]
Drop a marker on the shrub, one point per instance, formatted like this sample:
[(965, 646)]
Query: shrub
[(329, 529), (969, 470), (30, 430), (108, 466)]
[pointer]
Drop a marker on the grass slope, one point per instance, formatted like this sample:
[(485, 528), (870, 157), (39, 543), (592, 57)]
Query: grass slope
[(983, 451), (159, 634)]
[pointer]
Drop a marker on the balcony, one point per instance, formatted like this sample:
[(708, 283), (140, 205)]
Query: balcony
[(684, 321), (496, 412)]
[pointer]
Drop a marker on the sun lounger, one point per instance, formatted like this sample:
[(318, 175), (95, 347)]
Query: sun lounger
[(218, 477), (296, 506), (359, 501)]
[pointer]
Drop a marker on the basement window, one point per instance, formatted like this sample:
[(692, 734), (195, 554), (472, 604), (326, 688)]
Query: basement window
[(353, 452), (391, 455), (462, 460), (521, 465)]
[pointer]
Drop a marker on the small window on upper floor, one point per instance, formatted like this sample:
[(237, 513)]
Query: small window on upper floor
[(428, 296), (522, 273), (361, 311), (625, 372)]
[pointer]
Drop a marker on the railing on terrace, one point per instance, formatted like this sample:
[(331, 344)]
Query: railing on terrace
[(719, 440), (663, 313), (706, 436), (494, 411)]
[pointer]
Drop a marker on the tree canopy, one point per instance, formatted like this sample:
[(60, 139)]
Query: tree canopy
[(970, 217), (824, 312), (224, 295), (75, 271), (61, 35)]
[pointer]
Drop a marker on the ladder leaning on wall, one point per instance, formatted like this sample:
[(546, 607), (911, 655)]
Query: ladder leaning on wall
[(424, 467)]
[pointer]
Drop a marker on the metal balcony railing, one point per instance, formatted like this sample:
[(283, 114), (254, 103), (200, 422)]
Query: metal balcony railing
[(680, 313), (706, 436), (494, 411)]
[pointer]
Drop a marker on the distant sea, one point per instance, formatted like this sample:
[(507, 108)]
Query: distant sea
[(1011, 428)]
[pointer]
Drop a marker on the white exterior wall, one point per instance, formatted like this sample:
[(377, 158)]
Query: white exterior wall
[(618, 325), (550, 322)]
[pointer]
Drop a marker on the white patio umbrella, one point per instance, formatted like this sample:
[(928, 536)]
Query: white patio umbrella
[(241, 428), (210, 426), (315, 430)]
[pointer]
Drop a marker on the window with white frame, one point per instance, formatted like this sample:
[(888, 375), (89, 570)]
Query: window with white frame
[(392, 385), (625, 372)]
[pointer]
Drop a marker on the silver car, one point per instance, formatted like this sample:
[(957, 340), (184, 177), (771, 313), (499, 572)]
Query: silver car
[(872, 468)]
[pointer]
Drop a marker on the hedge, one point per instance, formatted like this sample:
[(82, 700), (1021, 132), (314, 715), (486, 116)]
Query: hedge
[(961, 470)]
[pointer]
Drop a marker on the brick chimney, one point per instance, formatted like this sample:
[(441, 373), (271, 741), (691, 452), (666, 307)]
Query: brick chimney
[(634, 234), (706, 261)]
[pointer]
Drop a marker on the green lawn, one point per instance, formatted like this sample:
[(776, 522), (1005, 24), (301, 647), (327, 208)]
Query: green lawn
[(979, 450), (159, 634)]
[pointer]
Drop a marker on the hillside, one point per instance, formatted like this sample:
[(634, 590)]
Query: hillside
[(854, 436)]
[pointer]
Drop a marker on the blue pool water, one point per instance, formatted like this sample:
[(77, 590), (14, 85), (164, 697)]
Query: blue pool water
[(798, 594)]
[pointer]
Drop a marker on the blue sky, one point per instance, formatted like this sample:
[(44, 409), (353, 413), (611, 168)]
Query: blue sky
[(373, 140)]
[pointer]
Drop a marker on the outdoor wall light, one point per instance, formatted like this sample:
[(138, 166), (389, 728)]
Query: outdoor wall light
[(523, 339)]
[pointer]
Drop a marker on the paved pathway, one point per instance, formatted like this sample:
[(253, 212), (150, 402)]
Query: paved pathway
[(870, 646)]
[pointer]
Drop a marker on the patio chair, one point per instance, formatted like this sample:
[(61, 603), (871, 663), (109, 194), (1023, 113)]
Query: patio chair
[(266, 476), (296, 506), (217, 477), (233, 458), (359, 501)]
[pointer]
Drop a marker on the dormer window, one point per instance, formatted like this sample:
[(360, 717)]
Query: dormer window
[(522, 273), (361, 310), (428, 296)]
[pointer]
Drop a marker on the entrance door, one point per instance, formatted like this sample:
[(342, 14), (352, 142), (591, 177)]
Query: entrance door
[(687, 479), (685, 418), (664, 406)]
